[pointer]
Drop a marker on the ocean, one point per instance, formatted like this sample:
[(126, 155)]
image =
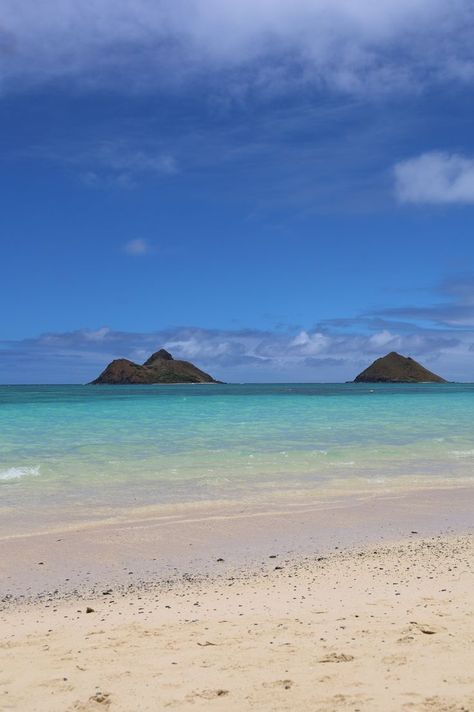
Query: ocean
[(77, 453)]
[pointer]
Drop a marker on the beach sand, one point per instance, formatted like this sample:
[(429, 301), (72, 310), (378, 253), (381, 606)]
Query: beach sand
[(381, 621)]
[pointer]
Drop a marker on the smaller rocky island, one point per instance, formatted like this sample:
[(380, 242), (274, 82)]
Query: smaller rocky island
[(161, 367), (394, 368)]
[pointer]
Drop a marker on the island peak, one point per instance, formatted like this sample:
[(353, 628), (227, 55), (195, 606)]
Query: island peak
[(395, 368), (161, 367), (161, 355)]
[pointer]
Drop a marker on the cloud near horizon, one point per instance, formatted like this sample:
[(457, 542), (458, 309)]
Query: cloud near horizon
[(269, 46), (439, 335), (436, 177), (319, 354), (456, 311)]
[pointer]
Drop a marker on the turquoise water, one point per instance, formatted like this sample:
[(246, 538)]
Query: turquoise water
[(87, 450)]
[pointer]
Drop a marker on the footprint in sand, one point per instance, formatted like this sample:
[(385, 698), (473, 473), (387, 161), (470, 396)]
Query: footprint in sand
[(99, 701), (336, 658), (394, 660), (209, 694), (427, 628), (285, 684), (436, 704)]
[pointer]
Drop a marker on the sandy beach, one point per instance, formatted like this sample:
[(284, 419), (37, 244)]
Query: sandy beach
[(237, 356), (381, 620)]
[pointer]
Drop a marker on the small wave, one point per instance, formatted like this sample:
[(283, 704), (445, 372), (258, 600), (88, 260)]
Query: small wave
[(462, 453), (15, 473)]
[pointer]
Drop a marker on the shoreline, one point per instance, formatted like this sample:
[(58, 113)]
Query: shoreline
[(272, 505), (61, 518), (163, 545)]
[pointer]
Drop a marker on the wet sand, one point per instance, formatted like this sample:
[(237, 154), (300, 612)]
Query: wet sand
[(150, 544), (367, 608)]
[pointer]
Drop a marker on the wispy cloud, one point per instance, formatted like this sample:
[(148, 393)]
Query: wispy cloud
[(264, 45), (436, 178), (315, 154), (137, 247), (123, 159), (119, 162), (454, 308)]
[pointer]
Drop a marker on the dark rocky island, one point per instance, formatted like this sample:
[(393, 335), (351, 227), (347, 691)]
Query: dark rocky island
[(161, 367), (394, 368)]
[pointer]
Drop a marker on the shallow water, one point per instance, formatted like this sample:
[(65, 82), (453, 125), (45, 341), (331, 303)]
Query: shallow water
[(83, 451)]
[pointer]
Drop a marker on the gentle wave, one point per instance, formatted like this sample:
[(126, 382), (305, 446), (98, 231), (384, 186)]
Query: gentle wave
[(462, 453), (15, 473)]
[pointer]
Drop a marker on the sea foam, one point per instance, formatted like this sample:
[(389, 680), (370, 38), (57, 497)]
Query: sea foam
[(15, 473)]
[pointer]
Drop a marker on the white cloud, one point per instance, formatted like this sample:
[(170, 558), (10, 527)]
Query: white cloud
[(137, 247), (384, 338), (240, 355), (97, 335), (311, 344), (136, 43), (436, 177)]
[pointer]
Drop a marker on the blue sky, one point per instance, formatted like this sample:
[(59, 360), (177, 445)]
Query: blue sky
[(274, 190)]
